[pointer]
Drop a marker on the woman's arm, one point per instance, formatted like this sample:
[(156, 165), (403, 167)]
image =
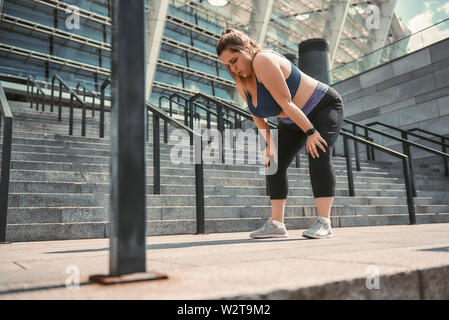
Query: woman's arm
[(264, 129)]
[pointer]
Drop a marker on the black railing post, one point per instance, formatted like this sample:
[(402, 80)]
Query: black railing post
[(43, 101), (83, 119), (165, 131), (52, 99), (93, 106), (298, 160), (28, 89), (349, 166), (60, 103), (156, 156), (37, 98), (406, 150), (186, 114), (71, 115), (408, 189), (32, 95), (368, 148), (446, 166), (102, 114), (356, 149), (220, 127), (199, 183)]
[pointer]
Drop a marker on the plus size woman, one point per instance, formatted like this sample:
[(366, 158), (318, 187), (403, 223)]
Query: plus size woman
[(310, 113)]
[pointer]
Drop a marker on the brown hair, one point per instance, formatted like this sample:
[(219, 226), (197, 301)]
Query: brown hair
[(236, 40)]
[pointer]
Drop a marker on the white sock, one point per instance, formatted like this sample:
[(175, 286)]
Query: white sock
[(277, 223), (327, 220)]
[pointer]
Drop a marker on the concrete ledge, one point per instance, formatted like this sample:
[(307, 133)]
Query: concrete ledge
[(385, 262), (430, 284)]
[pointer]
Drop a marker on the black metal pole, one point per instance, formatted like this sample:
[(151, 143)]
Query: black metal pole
[(71, 115), (32, 95), (127, 212), (93, 106), (37, 98), (446, 166), (408, 190), (349, 166), (43, 101), (406, 150), (60, 102), (156, 156), (199, 184), (52, 100), (4, 178), (356, 149), (368, 149), (165, 131), (102, 116), (83, 120)]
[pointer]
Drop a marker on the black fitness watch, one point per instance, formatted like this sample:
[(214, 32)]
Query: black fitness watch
[(310, 131)]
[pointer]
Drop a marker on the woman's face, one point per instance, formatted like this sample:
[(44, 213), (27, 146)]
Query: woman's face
[(238, 62)]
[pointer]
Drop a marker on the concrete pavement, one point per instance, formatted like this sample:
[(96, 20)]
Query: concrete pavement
[(383, 262)]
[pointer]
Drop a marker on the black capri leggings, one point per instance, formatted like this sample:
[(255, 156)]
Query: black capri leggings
[(327, 118)]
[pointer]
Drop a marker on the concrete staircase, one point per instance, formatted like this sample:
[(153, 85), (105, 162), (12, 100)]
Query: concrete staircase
[(59, 188)]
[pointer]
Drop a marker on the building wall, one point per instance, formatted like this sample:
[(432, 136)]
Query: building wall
[(409, 92), (189, 77)]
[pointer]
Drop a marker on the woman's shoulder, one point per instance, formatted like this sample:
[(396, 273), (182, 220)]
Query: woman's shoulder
[(269, 56)]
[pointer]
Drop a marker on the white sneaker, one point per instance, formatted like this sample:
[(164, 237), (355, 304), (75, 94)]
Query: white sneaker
[(271, 229), (320, 230)]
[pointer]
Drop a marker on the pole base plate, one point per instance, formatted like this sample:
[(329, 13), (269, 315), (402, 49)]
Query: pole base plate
[(126, 278)]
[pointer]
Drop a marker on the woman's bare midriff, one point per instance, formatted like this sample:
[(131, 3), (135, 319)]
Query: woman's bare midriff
[(306, 88)]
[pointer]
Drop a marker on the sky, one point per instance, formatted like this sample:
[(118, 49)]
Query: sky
[(419, 14)]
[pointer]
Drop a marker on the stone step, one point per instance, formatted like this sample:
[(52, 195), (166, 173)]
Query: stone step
[(32, 199), (96, 214), (73, 176), (176, 181), (89, 230), (96, 165)]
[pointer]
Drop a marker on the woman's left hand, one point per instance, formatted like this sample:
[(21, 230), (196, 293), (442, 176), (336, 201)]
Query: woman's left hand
[(312, 142)]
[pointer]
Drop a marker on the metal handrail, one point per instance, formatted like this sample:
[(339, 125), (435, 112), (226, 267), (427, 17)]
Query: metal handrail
[(105, 83), (92, 94), (33, 82), (5, 111), (73, 95), (406, 165), (199, 172), (171, 113), (406, 133), (406, 147), (443, 146), (428, 132)]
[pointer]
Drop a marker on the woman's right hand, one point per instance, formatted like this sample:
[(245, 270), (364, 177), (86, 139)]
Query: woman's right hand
[(270, 151)]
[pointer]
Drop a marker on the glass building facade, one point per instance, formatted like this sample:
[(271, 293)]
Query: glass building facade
[(37, 38)]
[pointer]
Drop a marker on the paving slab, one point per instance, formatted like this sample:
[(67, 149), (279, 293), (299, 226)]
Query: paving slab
[(381, 262)]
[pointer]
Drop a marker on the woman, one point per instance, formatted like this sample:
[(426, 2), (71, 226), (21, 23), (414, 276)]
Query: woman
[(309, 112)]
